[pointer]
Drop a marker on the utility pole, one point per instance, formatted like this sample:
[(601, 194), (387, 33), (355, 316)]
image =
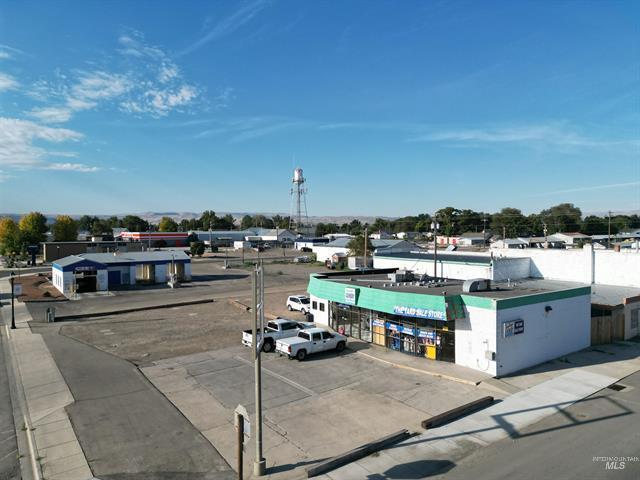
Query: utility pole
[(609, 232), (258, 316), (434, 227), (545, 230), (13, 314), (484, 231), (366, 237)]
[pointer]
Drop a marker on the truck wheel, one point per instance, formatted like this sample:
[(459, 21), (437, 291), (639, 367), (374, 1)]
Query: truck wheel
[(301, 355), (340, 347), (267, 347)]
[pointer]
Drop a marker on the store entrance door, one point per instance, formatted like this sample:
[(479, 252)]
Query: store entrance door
[(445, 346)]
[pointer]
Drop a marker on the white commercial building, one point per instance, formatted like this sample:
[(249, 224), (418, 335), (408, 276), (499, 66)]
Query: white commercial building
[(326, 251), (498, 328), (96, 272)]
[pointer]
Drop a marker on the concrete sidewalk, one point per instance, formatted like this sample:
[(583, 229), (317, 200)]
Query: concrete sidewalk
[(544, 390), (426, 454), (46, 395)]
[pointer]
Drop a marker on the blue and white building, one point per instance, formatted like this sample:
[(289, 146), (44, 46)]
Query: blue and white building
[(100, 272)]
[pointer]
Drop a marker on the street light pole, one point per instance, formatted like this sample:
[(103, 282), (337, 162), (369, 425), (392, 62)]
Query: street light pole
[(13, 314), (258, 319)]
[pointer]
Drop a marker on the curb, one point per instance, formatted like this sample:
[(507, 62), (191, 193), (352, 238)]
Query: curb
[(456, 413), (357, 453), (131, 310), (426, 372)]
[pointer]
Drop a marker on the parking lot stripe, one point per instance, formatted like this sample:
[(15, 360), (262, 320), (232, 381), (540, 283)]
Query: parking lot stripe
[(302, 388)]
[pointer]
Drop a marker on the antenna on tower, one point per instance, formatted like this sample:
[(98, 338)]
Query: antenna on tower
[(299, 220)]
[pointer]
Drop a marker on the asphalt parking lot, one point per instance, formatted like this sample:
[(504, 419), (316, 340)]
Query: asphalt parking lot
[(323, 406)]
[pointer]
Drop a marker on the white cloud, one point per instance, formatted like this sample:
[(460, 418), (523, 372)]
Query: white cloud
[(553, 133), (229, 24), (51, 114), (7, 82), (151, 84), (4, 176), (72, 167), (7, 52), (590, 189), (18, 137)]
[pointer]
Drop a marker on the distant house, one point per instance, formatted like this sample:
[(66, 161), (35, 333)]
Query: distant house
[(472, 239), (510, 243), (380, 235), (408, 235), (573, 239), (324, 252)]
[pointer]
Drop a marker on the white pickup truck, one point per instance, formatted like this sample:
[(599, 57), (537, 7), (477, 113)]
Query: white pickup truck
[(310, 340), (275, 330)]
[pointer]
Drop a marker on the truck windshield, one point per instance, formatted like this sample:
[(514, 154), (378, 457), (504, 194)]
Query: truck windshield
[(304, 335)]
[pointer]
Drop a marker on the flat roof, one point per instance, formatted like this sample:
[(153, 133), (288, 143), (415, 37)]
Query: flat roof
[(136, 257), (612, 295), (499, 290), (444, 257)]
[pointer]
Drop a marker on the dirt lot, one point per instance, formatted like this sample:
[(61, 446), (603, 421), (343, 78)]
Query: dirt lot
[(38, 288), (147, 336)]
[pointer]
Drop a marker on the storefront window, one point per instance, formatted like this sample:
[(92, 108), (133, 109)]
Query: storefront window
[(414, 336)]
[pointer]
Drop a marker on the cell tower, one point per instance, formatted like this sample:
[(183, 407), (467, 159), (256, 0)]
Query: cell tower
[(298, 218)]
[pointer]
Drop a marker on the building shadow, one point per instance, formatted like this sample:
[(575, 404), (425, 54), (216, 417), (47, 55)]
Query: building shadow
[(594, 355), (414, 470)]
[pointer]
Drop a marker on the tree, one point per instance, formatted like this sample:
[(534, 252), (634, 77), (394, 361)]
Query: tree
[(208, 220), (167, 224), (134, 223), (356, 246), (85, 223), (65, 229), (197, 248), (447, 218), (509, 221), (225, 223), (10, 237), (594, 225), (33, 227), (246, 222), (99, 227), (564, 217)]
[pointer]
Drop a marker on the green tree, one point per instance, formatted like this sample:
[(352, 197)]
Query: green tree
[(356, 246), (134, 223), (208, 220), (594, 225), (225, 223), (197, 248), (33, 227), (100, 227), (509, 221), (564, 217), (65, 229), (10, 237), (246, 222), (167, 224), (85, 223), (263, 222), (447, 218)]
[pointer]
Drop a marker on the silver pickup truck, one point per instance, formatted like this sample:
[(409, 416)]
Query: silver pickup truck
[(310, 340), (275, 330)]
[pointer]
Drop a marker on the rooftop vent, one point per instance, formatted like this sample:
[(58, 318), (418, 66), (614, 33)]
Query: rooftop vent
[(476, 285)]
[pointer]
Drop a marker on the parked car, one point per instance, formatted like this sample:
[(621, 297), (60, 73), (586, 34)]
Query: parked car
[(310, 340), (302, 259), (275, 330), (299, 303), (306, 249)]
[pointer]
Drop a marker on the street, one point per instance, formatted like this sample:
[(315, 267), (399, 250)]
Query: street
[(564, 445), (9, 462)]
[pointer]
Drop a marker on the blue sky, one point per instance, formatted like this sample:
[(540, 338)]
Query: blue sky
[(391, 108)]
